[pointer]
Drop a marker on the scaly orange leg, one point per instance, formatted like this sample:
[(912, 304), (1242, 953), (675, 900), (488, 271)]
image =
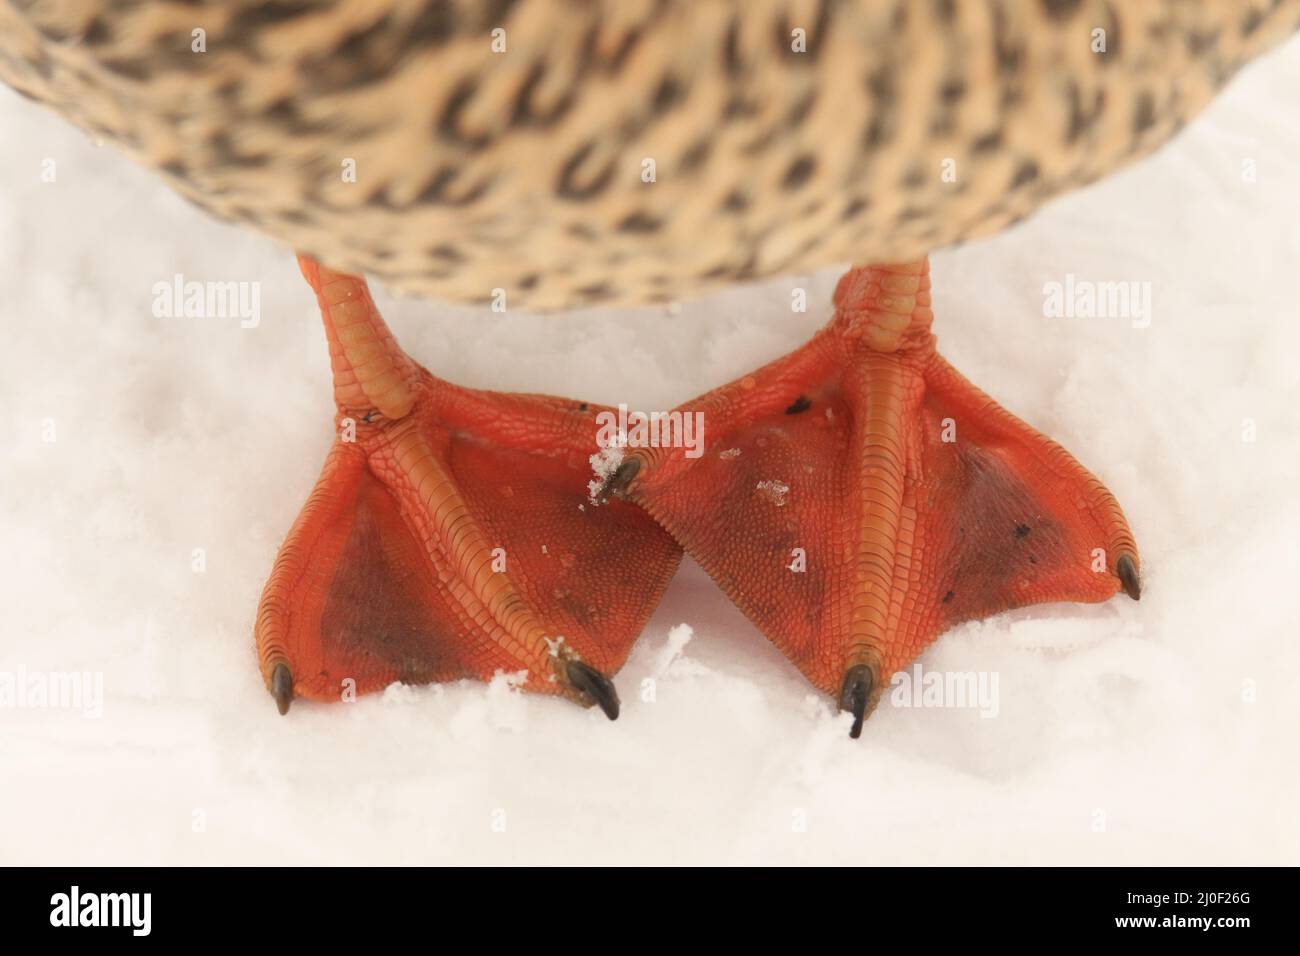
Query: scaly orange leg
[(449, 536), (859, 497)]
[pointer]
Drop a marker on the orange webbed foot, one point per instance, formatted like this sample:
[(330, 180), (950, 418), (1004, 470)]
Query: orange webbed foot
[(859, 497), (450, 536)]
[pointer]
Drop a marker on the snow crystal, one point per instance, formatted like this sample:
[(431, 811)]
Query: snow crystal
[(604, 463), (774, 491), (678, 637)]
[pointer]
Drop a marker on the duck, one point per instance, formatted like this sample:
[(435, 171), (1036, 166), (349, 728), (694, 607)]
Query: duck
[(855, 499)]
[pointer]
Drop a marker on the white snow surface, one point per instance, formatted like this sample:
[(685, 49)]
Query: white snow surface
[(1163, 731)]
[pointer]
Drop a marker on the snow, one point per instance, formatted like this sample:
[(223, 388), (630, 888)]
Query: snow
[(603, 465), (151, 467)]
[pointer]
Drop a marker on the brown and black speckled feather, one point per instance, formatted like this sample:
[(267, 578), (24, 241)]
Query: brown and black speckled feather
[(523, 169)]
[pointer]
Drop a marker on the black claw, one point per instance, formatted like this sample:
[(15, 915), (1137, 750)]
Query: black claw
[(596, 686), (622, 477), (854, 695), (282, 687), (1128, 576)]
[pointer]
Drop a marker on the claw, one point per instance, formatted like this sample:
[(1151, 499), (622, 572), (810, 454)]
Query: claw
[(621, 478), (282, 687), (596, 686), (1128, 576), (855, 694)]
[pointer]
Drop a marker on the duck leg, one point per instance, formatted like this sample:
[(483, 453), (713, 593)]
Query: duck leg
[(449, 536), (859, 497)]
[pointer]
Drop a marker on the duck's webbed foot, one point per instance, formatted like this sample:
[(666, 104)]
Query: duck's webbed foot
[(450, 536), (859, 496)]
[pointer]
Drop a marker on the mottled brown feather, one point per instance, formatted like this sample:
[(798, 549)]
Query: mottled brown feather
[(522, 170)]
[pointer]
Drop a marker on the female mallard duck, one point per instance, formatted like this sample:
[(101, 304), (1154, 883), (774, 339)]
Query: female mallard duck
[(856, 497)]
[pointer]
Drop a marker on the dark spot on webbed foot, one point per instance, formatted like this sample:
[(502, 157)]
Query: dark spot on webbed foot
[(800, 404), (1022, 530)]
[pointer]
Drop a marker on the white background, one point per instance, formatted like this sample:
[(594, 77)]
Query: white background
[(1124, 733)]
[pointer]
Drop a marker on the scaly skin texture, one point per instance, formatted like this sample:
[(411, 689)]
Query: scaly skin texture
[(859, 497), (451, 537)]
